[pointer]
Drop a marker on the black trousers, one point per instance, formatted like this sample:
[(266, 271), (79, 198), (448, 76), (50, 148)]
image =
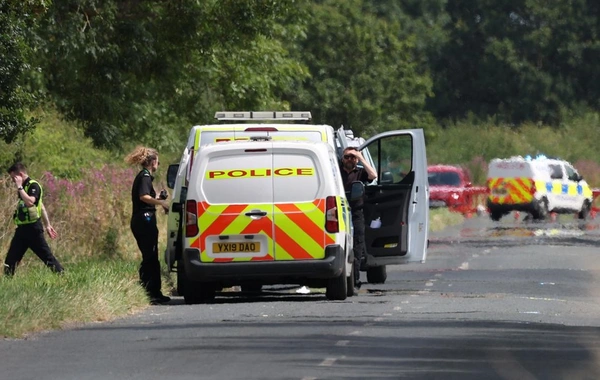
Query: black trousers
[(143, 226), (358, 221), (29, 236)]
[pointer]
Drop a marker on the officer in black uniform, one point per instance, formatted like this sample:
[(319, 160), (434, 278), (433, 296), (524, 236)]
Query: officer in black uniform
[(27, 217), (351, 172), (143, 221)]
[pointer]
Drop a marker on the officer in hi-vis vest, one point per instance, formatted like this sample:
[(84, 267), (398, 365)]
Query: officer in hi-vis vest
[(30, 231)]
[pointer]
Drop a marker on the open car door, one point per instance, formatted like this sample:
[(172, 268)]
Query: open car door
[(397, 207)]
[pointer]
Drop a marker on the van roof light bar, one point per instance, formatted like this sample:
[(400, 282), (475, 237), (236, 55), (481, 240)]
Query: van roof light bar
[(263, 115)]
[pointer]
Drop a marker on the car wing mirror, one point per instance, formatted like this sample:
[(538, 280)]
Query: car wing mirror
[(172, 175)]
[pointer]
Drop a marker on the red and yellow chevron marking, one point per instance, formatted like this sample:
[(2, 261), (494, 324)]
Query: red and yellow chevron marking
[(510, 190), (294, 232), (299, 231)]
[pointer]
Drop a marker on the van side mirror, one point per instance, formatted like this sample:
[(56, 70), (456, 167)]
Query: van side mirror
[(172, 175), (357, 190), (386, 177)]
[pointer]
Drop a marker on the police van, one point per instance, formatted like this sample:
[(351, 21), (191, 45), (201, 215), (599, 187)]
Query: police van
[(400, 206), (266, 212), (537, 186)]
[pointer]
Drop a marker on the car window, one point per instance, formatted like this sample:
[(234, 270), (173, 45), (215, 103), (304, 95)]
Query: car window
[(393, 158), (443, 179), (556, 172), (571, 173)]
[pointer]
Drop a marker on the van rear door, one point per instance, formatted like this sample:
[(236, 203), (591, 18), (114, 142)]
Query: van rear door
[(400, 199), (235, 205), (299, 211)]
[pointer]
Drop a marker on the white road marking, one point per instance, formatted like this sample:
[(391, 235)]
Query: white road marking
[(327, 362), (342, 342)]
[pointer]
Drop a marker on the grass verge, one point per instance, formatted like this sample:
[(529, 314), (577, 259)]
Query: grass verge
[(441, 218), (36, 299)]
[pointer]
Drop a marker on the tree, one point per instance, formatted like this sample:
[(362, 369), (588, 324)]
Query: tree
[(362, 75), (520, 60), (16, 17), (141, 70)]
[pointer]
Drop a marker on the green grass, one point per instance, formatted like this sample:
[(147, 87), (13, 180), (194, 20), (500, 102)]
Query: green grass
[(441, 218), (36, 299)]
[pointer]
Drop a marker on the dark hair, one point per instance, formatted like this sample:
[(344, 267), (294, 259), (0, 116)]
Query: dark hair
[(17, 167), (350, 148)]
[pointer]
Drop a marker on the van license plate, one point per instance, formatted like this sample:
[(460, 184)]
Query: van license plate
[(236, 247)]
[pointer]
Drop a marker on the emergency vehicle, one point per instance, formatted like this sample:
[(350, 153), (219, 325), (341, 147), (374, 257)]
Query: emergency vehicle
[(266, 212), (400, 207), (537, 186)]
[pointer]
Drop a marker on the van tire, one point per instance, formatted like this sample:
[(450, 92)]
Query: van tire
[(377, 275), (200, 292), (337, 287), (495, 215), (193, 292), (350, 283), (585, 210), (540, 211), (181, 278)]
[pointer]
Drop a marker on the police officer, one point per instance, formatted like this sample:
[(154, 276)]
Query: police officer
[(351, 172), (27, 217), (143, 220)]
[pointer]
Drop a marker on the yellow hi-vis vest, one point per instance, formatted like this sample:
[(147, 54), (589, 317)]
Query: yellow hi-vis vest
[(28, 215)]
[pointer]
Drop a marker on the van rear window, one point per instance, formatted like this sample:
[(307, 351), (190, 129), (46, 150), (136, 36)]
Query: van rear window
[(303, 182), (260, 178), (211, 137), (237, 179)]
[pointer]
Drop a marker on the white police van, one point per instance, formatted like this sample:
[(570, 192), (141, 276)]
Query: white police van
[(399, 204), (537, 186)]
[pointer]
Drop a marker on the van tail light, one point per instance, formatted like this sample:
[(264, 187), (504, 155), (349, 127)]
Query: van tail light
[(191, 219), (332, 224)]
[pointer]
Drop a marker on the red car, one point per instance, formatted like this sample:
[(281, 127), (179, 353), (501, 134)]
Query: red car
[(449, 186)]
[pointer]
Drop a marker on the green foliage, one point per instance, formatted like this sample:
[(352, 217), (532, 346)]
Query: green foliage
[(15, 18), (54, 146), (362, 75), (517, 60), (142, 70)]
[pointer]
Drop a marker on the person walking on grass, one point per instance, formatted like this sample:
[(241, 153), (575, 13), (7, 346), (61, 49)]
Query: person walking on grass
[(143, 220), (30, 230)]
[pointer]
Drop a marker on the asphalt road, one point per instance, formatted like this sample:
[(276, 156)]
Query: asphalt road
[(508, 300)]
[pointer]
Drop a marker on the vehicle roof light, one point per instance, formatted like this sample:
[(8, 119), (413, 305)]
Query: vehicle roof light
[(263, 115)]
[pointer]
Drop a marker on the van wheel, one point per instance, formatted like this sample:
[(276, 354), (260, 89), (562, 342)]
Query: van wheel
[(181, 278), (585, 210), (495, 215), (337, 288), (377, 275), (199, 292), (350, 283), (541, 210)]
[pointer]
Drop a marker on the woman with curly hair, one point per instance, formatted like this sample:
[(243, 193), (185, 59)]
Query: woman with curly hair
[(143, 220)]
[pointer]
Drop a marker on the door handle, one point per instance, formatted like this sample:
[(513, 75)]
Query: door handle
[(256, 213)]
